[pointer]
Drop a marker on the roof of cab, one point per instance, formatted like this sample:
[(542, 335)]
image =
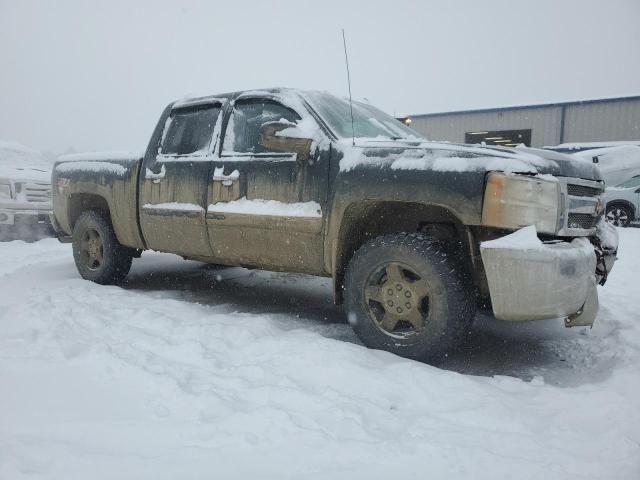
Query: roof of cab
[(187, 102)]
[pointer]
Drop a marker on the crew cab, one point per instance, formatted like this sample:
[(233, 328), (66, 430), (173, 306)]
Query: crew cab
[(415, 234)]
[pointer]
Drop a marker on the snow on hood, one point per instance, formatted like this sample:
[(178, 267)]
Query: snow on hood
[(18, 162), (452, 157)]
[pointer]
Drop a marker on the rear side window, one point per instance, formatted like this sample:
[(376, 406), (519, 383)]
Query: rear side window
[(189, 131)]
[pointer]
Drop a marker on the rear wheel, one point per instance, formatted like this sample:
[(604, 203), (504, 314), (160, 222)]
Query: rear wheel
[(408, 295), (619, 215), (98, 255)]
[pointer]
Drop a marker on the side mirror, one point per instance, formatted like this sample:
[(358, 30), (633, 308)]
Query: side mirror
[(280, 143), (595, 159), (637, 190)]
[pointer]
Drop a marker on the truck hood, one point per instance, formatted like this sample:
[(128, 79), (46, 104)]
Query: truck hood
[(25, 174), (440, 156)]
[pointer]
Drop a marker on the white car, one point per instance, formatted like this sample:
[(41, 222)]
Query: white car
[(25, 192), (617, 161), (623, 202)]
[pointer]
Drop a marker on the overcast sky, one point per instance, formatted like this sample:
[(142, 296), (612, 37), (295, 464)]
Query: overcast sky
[(94, 75)]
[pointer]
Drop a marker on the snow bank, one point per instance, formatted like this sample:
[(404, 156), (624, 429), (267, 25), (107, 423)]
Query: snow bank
[(91, 166), (268, 207), (199, 373)]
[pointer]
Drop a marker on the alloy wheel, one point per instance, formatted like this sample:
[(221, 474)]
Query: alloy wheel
[(618, 217), (398, 300), (92, 249)]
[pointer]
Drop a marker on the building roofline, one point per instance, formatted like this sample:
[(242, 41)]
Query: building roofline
[(527, 107)]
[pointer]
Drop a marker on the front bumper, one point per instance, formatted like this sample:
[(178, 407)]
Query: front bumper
[(553, 280), (26, 216)]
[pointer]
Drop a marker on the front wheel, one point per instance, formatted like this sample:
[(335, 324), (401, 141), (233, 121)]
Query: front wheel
[(409, 295), (98, 255), (619, 215)]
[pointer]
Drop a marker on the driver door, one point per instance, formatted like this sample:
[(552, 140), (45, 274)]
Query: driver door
[(268, 191)]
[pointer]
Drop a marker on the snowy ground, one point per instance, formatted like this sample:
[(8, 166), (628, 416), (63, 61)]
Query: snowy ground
[(194, 372)]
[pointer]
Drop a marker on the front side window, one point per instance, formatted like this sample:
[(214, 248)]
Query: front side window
[(253, 125), (188, 130)]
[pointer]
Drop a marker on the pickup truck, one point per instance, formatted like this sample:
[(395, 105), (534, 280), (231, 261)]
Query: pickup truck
[(25, 193), (416, 235)]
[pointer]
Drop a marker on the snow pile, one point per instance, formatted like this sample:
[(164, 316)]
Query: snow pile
[(268, 207), (200, 372)]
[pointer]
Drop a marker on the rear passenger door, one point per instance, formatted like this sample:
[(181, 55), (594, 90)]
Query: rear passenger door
[(269, 189), (173, 196)]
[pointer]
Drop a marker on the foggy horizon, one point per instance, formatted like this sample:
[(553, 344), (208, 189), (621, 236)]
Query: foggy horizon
[(96, 76)]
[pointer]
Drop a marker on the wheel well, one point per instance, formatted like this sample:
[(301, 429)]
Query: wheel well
[(365, 221), (623, 203), (83, 202)]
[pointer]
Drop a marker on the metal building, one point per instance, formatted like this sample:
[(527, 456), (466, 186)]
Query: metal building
[(611, 119)]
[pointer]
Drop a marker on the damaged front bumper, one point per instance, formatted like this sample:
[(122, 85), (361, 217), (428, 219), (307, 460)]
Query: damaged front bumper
[(552, 280)]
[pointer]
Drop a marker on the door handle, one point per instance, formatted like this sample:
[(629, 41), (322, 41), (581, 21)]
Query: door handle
[(227, 180), (155, 177)]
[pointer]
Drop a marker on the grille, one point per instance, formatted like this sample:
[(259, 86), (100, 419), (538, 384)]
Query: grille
[(37, 192), (583, 191), (582, 220)]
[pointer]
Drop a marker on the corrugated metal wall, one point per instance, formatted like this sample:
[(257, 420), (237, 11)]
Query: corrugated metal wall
[(589, 122), (606, 121)]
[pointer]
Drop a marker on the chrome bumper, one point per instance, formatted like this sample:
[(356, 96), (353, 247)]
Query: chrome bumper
[(554, 280)]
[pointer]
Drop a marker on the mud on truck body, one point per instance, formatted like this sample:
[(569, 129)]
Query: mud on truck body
[(415, 234)]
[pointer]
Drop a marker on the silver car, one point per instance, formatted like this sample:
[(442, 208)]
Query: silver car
[(623, 202)]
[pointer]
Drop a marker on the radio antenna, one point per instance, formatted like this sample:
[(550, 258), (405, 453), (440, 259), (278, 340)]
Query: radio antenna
[(346, 60)]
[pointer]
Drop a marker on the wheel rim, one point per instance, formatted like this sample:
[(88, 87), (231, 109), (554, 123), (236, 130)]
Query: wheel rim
[(91, 249), (398, 300), (618, 217)]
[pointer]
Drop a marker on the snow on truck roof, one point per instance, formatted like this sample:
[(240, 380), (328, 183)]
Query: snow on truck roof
[(220, 97)]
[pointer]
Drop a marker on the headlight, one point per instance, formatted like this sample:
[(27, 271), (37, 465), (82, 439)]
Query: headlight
[(514, 201), (5, 191)]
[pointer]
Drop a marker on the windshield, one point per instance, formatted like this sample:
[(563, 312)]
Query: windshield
[(368, 121), (632, 182)]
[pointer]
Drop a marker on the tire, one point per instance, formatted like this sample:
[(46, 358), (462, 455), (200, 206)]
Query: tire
[(98, 255), (619, 215), (409, 295)]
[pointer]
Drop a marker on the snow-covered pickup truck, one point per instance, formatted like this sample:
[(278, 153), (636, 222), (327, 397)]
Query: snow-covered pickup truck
[(415, 234), (25, 192)]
